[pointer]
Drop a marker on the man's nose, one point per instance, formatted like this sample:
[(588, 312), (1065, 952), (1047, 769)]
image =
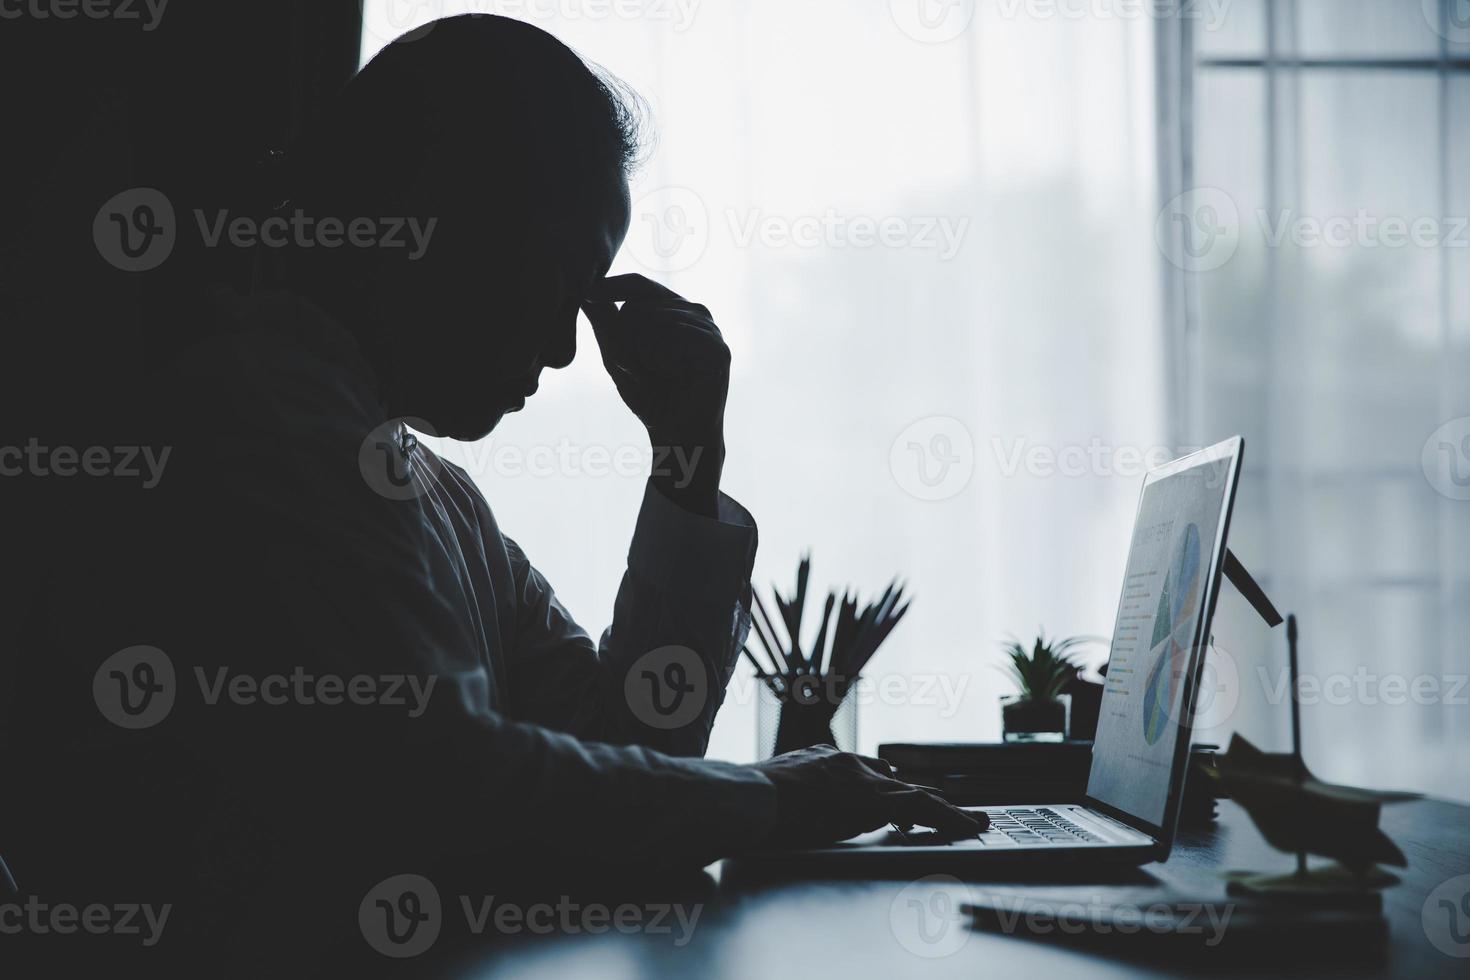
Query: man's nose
[(561, 349)]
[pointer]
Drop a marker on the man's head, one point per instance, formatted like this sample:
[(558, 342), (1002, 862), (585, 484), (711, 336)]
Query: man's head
[(518, 153)]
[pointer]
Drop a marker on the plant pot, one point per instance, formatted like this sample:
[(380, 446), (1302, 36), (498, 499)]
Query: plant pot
[(1024, 720)]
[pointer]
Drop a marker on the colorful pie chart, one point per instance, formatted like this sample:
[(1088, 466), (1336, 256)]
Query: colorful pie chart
[(1172, 636)]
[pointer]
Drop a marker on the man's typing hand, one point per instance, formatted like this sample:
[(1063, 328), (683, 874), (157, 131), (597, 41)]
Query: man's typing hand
[(824, 796), (672, 368)]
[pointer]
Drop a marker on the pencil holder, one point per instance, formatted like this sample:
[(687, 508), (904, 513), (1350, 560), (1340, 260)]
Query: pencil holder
[(782, 725), (804, 695)]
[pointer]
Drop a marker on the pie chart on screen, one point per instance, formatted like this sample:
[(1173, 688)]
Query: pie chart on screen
[(1172, 636)]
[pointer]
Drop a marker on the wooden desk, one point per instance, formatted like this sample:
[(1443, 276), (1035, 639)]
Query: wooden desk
[(858, 929)]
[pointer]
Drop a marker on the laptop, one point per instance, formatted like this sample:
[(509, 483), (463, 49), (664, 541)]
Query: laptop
[(1141, 752)]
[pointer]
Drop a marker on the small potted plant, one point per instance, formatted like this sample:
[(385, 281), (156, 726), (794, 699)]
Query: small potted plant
[(1039, 713)]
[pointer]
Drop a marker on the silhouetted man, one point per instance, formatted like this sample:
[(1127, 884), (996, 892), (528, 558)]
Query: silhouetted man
[(302, 533)]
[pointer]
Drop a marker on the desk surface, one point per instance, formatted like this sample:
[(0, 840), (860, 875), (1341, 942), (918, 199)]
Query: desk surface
[(863, 928)]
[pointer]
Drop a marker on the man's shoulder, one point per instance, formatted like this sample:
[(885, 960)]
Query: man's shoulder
[(271, 362)]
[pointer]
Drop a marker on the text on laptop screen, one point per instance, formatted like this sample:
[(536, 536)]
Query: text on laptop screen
[(1154, 639)]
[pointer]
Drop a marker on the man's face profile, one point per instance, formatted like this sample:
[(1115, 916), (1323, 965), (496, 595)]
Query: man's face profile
[(493, 311)]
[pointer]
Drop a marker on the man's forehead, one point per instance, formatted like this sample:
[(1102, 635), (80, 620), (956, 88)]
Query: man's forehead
[(616, 218)]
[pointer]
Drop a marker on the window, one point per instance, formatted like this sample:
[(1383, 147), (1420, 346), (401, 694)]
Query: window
[(930, 245), (1328, 318)]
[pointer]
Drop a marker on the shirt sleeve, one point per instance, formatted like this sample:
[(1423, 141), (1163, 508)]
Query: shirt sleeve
[(659, 676), (309, 571)]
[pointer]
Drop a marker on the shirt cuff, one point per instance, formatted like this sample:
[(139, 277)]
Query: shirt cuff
[(694, 556)]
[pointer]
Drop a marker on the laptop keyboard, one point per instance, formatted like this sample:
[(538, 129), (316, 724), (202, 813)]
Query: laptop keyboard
[(1039, 826)]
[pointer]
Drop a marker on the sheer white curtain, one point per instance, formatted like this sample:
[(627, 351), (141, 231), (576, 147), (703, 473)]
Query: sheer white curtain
[(1332, 141), (927, 231)]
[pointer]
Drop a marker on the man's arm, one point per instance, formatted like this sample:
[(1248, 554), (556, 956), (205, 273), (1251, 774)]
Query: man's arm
[(678, 625)]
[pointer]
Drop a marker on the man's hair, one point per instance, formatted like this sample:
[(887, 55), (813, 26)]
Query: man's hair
[(536, 118)]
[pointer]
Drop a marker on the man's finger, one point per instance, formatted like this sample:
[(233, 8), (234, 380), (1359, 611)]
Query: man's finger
[(877, 765), (917, 806), (619, 289)]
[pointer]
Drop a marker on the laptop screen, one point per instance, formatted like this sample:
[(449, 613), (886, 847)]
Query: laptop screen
[(1169, 581)]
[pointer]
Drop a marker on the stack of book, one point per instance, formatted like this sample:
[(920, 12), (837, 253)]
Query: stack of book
[(1001, 773)]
